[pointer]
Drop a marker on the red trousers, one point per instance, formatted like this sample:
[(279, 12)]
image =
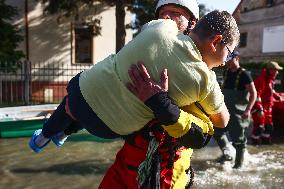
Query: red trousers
[(261, 120), (123, 173)]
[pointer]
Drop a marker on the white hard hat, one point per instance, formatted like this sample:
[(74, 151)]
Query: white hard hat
[(190, 5)]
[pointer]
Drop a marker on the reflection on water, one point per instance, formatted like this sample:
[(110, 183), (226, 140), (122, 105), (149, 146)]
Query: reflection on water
[(75, 165), (263, 168), (82, 164)]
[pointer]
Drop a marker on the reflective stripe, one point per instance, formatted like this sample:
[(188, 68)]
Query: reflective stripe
[(183, 125), (180, 177)]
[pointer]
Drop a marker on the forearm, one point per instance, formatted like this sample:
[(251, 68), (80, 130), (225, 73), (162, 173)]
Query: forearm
[(193, 128), (190, 130), (164, 110), (276, 95), (252, 96), (252, 99), (175, 120), (221, 119)]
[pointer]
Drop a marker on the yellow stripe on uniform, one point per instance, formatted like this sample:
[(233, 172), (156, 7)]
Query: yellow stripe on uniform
[(190, 114), (179, 177)]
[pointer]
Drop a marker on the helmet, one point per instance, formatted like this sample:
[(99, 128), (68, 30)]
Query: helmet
[(190, 5)]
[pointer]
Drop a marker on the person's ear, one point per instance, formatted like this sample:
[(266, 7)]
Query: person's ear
[(193, 23), (215, 41)]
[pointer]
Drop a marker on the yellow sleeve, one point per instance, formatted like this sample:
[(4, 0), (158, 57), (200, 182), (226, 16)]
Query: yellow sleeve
[(190, 115)]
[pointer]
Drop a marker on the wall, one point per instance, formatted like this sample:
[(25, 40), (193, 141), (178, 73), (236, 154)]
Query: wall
[(253, 22), (50, 40), (50, 44)]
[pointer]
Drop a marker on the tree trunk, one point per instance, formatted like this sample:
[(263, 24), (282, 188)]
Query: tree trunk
[(120, 24)]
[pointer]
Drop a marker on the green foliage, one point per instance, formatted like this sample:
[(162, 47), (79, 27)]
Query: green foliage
[(252, 66), (203, 10), (9, 39), (259, 65), (255, 69), (144, 11)]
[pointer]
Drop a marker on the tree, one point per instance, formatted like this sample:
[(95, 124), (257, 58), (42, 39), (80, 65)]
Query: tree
[(203, 10), (120, 24), (9, 39), (144, 11)]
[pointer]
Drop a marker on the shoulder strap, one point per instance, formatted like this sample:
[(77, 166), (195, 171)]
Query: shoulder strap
[(201, 108), (237, 82), (225, 78)]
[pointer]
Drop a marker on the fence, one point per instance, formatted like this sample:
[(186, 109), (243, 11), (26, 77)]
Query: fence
[(36, 83), (41, 83)]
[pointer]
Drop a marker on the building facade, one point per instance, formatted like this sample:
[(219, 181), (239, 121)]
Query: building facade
[(261, 24), (57, 48)]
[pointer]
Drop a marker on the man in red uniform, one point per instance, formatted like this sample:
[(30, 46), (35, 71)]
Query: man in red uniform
[(167, 159), (262, 110), (124, 171)]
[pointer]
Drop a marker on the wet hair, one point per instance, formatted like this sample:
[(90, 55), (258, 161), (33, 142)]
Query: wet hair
[(218, 23)]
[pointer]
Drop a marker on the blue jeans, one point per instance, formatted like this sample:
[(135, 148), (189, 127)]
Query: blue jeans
[(86, 118)]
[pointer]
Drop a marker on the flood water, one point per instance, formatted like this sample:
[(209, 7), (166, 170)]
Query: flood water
[(82, 164)]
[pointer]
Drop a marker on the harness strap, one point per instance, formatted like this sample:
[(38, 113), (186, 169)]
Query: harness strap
[(237, 81)]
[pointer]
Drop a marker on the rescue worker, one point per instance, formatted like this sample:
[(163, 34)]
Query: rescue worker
[(171, 165), (262, 110), (237, 86), (185, 13)]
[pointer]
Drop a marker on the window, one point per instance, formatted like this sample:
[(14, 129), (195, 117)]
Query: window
[(82, 45), (243, 40)]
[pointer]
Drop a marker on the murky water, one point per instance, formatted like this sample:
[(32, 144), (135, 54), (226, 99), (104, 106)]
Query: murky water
[(82, 164), (263, 168)]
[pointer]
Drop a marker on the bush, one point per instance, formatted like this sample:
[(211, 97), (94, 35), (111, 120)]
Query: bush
[(255, 69)]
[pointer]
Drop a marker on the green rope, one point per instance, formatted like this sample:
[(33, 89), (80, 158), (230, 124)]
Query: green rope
[(144, 169)]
